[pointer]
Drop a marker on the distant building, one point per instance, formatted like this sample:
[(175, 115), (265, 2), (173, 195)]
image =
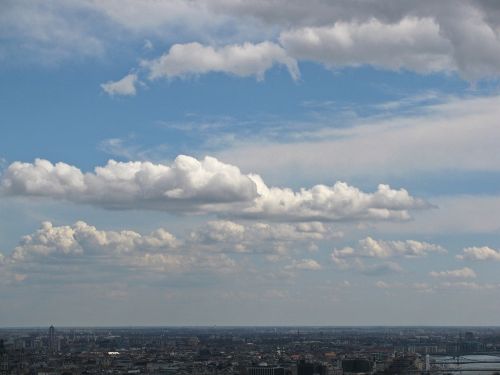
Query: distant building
[(52, 339), (408, 364), (469, 336), (265, 370), (357, 366), (4, 360), (307, 368)]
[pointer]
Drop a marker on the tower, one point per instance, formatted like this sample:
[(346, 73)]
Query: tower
[(52, 339)]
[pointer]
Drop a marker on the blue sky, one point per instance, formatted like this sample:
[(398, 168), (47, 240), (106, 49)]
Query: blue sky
[(221, 162)]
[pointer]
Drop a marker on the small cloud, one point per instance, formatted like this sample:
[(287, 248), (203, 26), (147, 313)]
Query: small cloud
[(479, 253), (382, 285), (148, 45), (463, 273), (304, 264), (124, 87)]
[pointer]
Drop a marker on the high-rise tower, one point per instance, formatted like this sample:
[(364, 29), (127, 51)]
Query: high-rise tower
[(52, 339)]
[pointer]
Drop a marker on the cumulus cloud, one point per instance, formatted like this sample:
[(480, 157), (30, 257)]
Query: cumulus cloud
[(80, 250), (345, 260), (371, 248), (421, 36), (110, 251), (241, 60), (479, 253), (132, 184), (124, 86), (64, 249), (206, 185), (331, 203), (410, 43), (82, 238), (218, 231), (463, 273), (276, 240)]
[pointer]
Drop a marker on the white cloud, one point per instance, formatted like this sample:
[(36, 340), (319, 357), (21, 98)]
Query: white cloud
[(467, 285), (48, 32), (124, 86), (304, 264), (459, 134), (331, 203), (385, 285), (276, 240), (109, 252), (371, 248), (132, 184), (410, 43), (382, 285), (346, 259), (63, 250), (463, 273), (241, 60), (203, 186), (81, 238), (54, 252), (218, 231), (421, 36), (480, 253), (481, 217)]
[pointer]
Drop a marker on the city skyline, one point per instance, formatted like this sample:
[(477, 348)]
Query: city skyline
[(267, 163)]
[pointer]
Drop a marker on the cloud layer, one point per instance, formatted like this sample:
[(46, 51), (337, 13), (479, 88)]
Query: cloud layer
[(456, 134), (424, 36), (212, 247)]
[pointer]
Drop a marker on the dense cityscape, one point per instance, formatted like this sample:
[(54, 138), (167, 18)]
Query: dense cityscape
[(248, 350)]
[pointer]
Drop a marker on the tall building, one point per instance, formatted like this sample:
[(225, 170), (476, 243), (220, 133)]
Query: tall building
[(52, 339)]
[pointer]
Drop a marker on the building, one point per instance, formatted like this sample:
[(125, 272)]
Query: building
[(52, 339), (357, 366), (307, 368), (265, 370)]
